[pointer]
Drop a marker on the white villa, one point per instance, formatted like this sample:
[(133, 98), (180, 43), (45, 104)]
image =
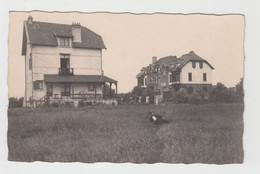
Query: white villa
[(62, 63)]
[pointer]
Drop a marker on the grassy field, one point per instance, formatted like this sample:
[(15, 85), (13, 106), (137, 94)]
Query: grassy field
[(209, 133)]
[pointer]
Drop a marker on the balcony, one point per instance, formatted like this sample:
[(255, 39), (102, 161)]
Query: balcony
[(66, 71)]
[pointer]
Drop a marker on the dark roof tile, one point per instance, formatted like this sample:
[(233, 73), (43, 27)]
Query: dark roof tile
[(42, 33)]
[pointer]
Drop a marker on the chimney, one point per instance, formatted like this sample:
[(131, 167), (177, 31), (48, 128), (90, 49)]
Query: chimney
[(76, 32), (30, 19), (154, 59)]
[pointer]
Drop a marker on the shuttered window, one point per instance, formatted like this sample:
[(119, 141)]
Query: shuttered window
[(38, 85)]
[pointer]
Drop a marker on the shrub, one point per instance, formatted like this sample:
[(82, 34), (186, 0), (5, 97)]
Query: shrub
[(88, 103), (54, 104), (14, 102), (223, 94), (143, 99), (195, 98), (180, 97), (81, 103), (151, 99)]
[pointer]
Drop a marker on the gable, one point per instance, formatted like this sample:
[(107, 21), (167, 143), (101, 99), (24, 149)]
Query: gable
[(192, 57)]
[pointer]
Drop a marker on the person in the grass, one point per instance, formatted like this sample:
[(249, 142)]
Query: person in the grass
[(155, 118)]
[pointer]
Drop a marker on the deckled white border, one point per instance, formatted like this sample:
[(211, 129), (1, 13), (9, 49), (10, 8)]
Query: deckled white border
[(252, 81)]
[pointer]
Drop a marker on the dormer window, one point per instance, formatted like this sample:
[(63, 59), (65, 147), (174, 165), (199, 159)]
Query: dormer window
[(193, 64), (65, 41), (201, 65)]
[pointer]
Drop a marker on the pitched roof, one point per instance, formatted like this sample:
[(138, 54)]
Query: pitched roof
[(165, 60), (42, 33), (175, 64), (191, 56), (78, 78)]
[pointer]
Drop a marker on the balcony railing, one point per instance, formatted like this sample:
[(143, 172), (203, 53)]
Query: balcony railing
[(66, 71)]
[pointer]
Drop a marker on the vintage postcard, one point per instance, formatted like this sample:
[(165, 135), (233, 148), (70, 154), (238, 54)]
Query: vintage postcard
[(139, 88)]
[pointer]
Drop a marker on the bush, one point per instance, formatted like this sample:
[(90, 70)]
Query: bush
[(151, 99), (54, 104), (195, 98), (180, 97), (143, 99), (14, 102), (228, 95), (81, 104)]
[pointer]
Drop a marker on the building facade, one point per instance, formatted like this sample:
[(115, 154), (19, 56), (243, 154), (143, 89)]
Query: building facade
[(170, 74), (62, 62)]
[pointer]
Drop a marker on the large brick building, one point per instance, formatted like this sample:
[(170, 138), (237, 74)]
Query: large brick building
[(170, 74)]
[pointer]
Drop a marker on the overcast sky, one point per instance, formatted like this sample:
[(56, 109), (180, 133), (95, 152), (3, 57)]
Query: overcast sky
[(132, 40)]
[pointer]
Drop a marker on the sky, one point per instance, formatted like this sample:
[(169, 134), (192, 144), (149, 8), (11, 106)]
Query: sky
[(133, 39)]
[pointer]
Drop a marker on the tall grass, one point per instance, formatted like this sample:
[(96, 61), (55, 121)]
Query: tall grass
[(204, 133)]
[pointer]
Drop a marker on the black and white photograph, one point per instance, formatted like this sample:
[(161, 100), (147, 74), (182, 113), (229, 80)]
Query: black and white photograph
[(126, 88)]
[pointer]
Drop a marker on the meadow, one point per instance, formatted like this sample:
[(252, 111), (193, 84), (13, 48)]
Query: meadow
[(206, 133)]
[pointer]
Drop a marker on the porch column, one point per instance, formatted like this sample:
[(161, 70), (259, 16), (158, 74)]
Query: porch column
[(116, 88), (95, 88), (103, 89), (110, 90)]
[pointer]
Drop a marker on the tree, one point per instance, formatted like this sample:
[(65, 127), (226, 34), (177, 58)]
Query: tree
[(220, 93), (106, 92), (137, 91)]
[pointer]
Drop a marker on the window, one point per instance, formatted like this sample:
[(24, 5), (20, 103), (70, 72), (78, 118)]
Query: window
[(65, 89), (145, 81), (65, 60), (190, 90), (170, 77), (30, 62), (65, 41), (205, 89), (91, 87), (201, 65), (38, 84), (204, 77), (140, 81), (49, 89), (193, 64), (64, 64), (190, 76), (175, 77)]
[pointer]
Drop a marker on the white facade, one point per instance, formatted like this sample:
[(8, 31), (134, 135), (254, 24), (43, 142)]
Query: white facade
[(46, 60), (197, 74)]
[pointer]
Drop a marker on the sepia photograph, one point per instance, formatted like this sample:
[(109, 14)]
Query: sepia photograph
[(125, 87)]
